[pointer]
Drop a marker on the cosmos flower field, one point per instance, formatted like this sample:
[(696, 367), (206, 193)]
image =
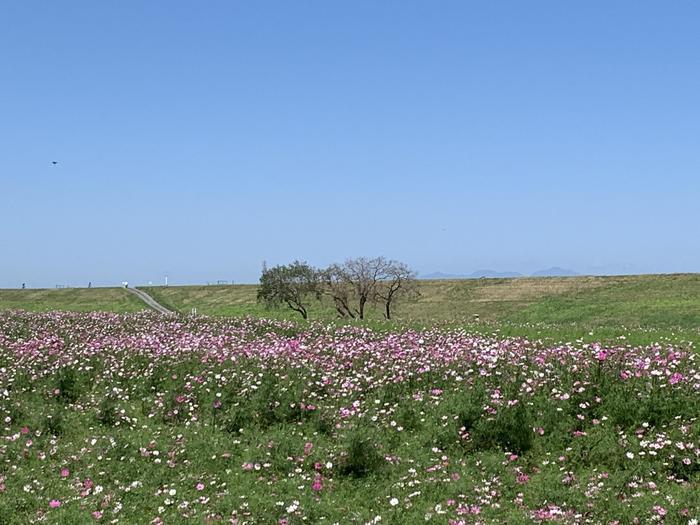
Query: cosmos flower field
[(145, 419)]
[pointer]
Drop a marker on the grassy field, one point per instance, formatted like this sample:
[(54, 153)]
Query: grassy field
[(642, 307), (632, 301), (142, 418), (70, 299), (226, 418)]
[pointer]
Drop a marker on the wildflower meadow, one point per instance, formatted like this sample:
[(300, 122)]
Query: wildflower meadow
[(141, 418)]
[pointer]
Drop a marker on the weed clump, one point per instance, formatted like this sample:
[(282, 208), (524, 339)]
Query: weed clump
[(54, 424), (107, 413), (362, 457), (68, 385)]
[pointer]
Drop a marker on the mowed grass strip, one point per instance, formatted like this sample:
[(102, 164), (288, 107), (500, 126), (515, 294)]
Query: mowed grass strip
[(632, 301), (71, 299)]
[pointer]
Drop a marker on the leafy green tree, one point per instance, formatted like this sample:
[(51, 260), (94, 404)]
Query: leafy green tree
[(292, 284)]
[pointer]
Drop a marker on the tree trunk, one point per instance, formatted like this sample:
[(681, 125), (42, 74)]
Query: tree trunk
[(361, 311), (388, 309), (343, 309), (298, 308)]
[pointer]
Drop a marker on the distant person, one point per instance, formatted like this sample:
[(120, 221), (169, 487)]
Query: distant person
[(24, 285), (90, 284)]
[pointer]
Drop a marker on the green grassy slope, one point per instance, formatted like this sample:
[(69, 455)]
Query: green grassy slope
[(73, 299), (645, 307), (633, 301), (654, 301)]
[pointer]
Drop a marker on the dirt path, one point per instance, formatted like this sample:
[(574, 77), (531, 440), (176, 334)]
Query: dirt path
[(150, 301)]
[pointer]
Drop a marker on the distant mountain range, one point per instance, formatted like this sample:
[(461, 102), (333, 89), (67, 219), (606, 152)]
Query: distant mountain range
[(555, 271)]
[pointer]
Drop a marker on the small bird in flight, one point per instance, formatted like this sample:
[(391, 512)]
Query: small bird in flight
[(54, 162)]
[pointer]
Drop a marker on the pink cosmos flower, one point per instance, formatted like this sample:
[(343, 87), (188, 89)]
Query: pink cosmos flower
[(200, 486), (65, 472), (676, 378), (660, 510), (522, 478), (97, 514), (54, 503)]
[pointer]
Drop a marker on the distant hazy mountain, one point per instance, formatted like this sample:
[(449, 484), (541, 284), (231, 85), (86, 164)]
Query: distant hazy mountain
[(555, 271), (474, 275)]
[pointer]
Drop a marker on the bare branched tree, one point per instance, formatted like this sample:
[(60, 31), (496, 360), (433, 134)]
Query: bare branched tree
[(360, 281), (336, 284), (399, 282), (364, 276)]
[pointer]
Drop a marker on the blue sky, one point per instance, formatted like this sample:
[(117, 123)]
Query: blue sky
[(197, 139)]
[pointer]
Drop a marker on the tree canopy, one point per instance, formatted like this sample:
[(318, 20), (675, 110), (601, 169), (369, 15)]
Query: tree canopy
[(293, 284)]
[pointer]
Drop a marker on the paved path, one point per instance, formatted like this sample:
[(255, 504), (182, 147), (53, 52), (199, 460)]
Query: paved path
[(150, 301)]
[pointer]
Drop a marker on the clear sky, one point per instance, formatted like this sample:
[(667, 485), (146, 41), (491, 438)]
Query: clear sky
[(197, 139)]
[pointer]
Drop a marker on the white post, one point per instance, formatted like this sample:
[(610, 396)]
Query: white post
[(166, 280)]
